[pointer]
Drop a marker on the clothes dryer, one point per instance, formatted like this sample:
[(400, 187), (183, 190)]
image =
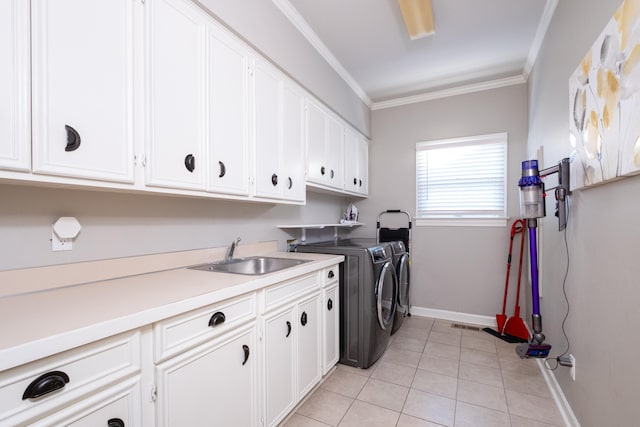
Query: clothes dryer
[(402, 264), (368, 292)]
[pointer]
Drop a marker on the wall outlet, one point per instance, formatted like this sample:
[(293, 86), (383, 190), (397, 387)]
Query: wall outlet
[(572, 370), (58, 244)]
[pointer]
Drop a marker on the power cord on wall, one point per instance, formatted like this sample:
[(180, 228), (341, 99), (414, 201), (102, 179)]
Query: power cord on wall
[(562, 359)]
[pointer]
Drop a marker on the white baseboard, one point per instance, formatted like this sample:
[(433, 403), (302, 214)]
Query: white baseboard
[(566, 412), (473, 319)]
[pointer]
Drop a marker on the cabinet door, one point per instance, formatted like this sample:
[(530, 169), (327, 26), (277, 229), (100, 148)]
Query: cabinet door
[(334, 153), (177, 93), (315, 138), (15, 99), (268, 178), (309, 342), (331, 328), (229, 119), (118, 406), (279, 386), (83, 88), (214, 384), (293, 143), (351, 163), (363, 166)]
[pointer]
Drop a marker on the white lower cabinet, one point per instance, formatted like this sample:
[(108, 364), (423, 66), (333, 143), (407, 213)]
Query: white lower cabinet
[(279, 370), (214, 384), (331, 327), (292, 354)]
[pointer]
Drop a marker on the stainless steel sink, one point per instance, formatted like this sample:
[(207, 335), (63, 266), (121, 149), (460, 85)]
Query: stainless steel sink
[(252, 266)]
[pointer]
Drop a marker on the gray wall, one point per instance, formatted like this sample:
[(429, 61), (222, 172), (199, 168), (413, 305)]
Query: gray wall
[(262, 24), (454, 268), (116, 225), (602, 236)]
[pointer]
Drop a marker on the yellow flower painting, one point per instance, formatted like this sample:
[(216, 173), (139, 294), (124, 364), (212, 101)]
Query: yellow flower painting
[(604, 98)]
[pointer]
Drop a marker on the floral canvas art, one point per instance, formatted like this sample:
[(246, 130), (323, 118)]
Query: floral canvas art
[(604, 122)]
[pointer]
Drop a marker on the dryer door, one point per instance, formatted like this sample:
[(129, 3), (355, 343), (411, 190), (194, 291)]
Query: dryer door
[(386, 295), (403, 281)]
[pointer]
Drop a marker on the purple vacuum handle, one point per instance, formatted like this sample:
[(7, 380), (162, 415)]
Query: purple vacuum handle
[(534, 270)]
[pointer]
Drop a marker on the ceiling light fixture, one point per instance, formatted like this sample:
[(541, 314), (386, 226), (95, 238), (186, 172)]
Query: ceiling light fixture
[(418, 17)]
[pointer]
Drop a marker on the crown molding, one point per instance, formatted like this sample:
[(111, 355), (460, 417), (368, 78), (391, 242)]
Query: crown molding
[(301, 25), (445, 93), (545, 21)]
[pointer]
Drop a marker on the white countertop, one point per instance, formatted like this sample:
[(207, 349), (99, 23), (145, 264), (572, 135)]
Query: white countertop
[(40, 322)]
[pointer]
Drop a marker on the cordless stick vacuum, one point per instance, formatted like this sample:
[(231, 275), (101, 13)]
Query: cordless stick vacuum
[(532, 207)]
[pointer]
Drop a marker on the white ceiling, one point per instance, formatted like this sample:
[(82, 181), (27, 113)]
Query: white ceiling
[(476, 41)]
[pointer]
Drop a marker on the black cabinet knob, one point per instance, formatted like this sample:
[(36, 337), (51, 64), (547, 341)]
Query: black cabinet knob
[(329, 304), (274, 179), (223, 169), (73, 139), (288, 329), (45, 384), (360, 181), (331, 274), (355, 181), (303, 318), (190, 162), (331, 174), (322, 170), (115, 422), (217, 319), (245, 348), (290, 183)]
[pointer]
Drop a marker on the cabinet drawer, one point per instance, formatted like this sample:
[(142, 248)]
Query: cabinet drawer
[(87, 369), (283, 292), (330, 275), (179, 333)]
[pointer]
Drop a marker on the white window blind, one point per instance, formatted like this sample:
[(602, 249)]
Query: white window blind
[(462, 177)]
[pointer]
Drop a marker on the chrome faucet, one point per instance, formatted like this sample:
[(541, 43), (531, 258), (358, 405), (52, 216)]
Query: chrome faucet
[(232, 249)]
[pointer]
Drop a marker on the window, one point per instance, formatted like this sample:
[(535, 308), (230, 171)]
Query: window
[(462, 179)]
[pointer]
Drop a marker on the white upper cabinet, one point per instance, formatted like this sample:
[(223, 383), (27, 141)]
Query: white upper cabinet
[(293, 160), (356, 163), (279, 140), (230, 62), (15, 106), (176, 86), (83, 80), (324, 147)]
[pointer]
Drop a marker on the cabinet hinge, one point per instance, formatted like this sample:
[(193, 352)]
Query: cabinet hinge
[(153, 393)]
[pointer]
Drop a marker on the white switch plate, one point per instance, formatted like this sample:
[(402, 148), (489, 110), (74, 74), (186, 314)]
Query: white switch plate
[(58, 244)]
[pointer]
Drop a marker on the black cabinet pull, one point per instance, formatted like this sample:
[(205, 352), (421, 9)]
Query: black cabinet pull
[(115, 422), (217, 318), (360, 181), (288, 329), (45, 384), (332, 174), (355, 181), (223, 169), (190, 162), (322, 170), (329, 304), (245, 348), (274, 179), (290, 183), (303, 318), (331, 274), (73, 139)]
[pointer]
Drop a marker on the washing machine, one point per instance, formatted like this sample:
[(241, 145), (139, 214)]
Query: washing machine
[(402, 264), (368, 293)]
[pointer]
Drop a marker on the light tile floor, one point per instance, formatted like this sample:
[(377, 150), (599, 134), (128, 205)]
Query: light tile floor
[(434, 375)]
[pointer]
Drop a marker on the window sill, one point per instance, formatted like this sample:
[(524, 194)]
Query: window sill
[(461, 222)]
